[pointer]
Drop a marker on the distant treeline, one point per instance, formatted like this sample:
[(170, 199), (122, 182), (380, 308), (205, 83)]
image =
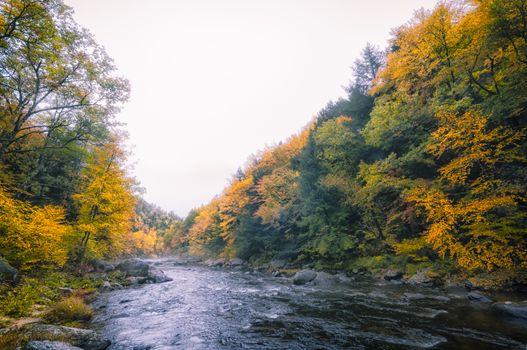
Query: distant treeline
[(424, 162)]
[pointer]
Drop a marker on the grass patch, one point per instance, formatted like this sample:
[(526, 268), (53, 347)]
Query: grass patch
[(68, 310), (43, 287), (12, 340)]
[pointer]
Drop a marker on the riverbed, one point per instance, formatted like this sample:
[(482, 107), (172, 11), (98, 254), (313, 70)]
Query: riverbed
[(211, 308)]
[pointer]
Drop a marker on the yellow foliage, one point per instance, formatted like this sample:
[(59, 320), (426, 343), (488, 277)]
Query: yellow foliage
[(106, 203), (29, 235), (276, 191), (231, 205), (481, 230), (475, 145)]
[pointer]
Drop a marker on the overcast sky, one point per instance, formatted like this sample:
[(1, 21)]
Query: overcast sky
[(215, 81)]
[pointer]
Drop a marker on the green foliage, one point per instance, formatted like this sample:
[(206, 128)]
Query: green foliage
[(43, 289)]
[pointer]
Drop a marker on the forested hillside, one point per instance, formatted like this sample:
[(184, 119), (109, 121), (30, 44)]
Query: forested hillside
[(423, 164), (65, 192)]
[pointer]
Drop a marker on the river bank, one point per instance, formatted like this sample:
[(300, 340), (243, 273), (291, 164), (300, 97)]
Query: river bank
[(219, 304)]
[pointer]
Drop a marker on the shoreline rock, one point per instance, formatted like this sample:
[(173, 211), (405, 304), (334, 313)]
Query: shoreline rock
[(304, 276), (85, 339)]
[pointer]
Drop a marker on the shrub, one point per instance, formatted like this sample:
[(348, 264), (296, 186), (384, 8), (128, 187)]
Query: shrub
[(70, 309)]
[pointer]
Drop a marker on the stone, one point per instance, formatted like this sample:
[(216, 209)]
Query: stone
[(276, 274), (474, 296), (102, 266), (390, 275), (343, 278), (7, 272), (49, 345), (277, 264), (510, 308), (134, 267), (215, 262), (106, 287), (324, 279), (83, 338), (304, 276), (235, 262), (157, 276), (425, 278)]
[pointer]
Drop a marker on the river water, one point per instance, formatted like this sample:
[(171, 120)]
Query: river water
[(206, 308)]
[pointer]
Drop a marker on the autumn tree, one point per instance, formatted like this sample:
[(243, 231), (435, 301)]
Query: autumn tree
[(58, 94), (106, 203)]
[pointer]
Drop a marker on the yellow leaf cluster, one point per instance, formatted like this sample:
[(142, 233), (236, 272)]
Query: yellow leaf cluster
[(31, 235)]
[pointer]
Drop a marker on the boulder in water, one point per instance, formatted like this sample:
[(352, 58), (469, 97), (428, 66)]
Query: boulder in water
[(513, 309), (157, 276), (304, 276), (474, 296), (49, 345), (134, 267), (343, 278), (324, 279)]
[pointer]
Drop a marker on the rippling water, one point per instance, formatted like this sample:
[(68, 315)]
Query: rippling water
[(204, 308)]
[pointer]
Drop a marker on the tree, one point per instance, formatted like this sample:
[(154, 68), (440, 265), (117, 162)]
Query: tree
[(53, 76), (106, 203)]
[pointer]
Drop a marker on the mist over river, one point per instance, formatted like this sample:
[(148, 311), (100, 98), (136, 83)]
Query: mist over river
[(208, 308)]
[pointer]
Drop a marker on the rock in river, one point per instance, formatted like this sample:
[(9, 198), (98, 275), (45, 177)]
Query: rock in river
[(479, 298), (157, 276), (304, 276), (325, 279), (513, 309), (134, 267), (143, 271)]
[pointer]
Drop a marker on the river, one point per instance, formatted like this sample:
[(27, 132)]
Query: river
[(207, 308)]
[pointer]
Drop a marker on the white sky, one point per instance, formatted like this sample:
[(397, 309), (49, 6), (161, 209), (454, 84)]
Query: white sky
[(215, 81)]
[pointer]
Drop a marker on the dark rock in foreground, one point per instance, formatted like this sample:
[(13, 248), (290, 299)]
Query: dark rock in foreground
[(49, 345), (82, 338)]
